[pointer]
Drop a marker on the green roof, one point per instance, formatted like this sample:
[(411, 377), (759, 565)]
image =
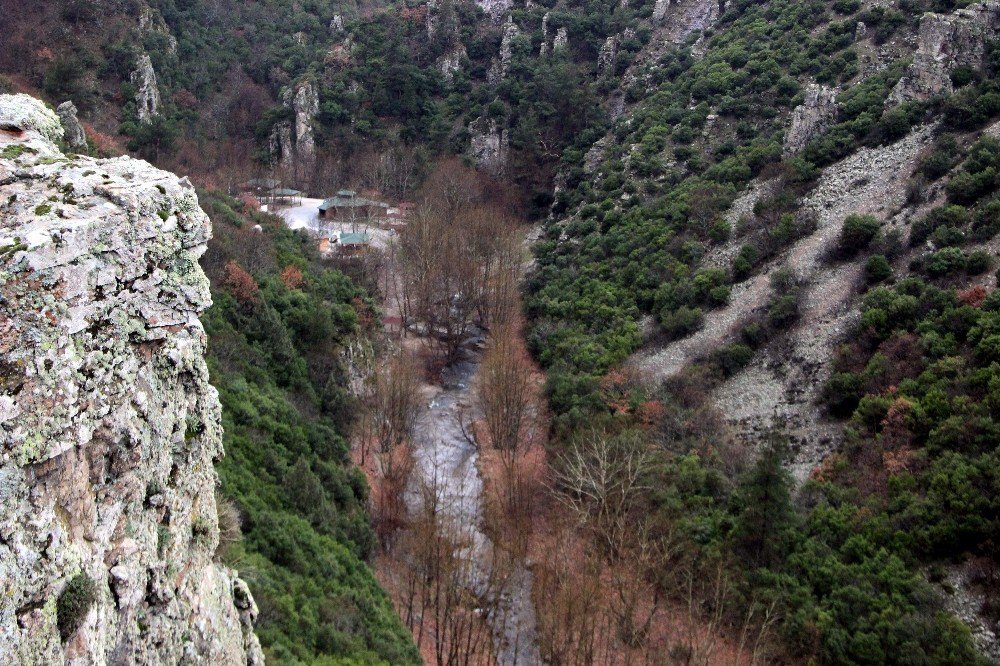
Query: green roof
[(355, 239)]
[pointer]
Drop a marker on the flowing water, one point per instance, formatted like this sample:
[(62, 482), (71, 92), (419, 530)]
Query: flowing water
[(446, 462)]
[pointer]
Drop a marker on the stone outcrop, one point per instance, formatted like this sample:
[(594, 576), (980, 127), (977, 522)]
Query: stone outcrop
[(552, 41), (811, 118), (543, 50), (490, 145), (73, 132), (451, 62), (561, 40), (607, 55), (660, 10), (293, 141), (496, 9), (680, 18), (108, 424), (946, 42), (151, 20), (147, 92), (501, 64)]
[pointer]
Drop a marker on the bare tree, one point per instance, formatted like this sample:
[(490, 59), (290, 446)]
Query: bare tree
[(600, 479), (449, 591), (390, 408), (392, 171), (439, 278), (506, 397)]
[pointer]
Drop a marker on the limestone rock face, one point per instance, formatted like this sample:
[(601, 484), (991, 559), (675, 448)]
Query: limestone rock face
[(451, 62), (496, 9), (150, 20), (680, 18), (608, 54), (660, 9), (108, 424), (293, 142), (147, 92), (946, 42), (501, 64), (811, 118), (490, 145), (561, 41), (546, 36), (73, 132)]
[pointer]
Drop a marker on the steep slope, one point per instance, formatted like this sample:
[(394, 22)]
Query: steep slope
[(280, 334), (108, 526), (777, 266)]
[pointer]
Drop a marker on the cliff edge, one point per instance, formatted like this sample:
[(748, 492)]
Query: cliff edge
[(108, 424)]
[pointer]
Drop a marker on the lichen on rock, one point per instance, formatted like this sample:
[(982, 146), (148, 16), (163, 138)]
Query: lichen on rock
[(102, 375)]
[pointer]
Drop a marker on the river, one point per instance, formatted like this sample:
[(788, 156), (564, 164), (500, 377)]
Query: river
[(446, 460)]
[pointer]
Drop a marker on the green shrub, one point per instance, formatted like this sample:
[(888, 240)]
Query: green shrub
[(978, 262), (858, 233), (949, 215), (842, 393), (754, 334), (946, 261), (682, 321), (846, 6), (986, 224), (732, 358), (877, 269), (74, 603), (745, 262), (783, 311)]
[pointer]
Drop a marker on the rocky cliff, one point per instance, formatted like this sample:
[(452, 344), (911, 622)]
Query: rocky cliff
[(293, 140), (147, 90), (945, 43), (108, 424), (811, 118)]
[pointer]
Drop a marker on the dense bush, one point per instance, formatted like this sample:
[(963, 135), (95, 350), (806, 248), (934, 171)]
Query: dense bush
[(877, 269), (858, 232), (74, 603)]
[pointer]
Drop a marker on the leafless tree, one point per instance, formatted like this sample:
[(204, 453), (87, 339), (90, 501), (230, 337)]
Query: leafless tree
[(390, 405), (449, 590), (600, 479), (392, 171), (506, 397)]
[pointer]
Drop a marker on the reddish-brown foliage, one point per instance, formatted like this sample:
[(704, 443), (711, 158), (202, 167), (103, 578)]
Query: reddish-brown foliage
[(250, 202), (292, 277), (240, 283), (973, 296), (185, 99)]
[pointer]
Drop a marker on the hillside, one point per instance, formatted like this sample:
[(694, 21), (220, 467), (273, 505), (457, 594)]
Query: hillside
[(762, 294)]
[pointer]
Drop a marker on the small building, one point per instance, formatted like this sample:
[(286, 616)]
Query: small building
[(354, 243), (348, 207), (285, 196), (397, 217), (345, 243)]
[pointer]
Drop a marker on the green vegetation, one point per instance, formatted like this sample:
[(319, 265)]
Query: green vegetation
[(275, 358), (15, 150), (858, 232), (74, 603), (644, 226)]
